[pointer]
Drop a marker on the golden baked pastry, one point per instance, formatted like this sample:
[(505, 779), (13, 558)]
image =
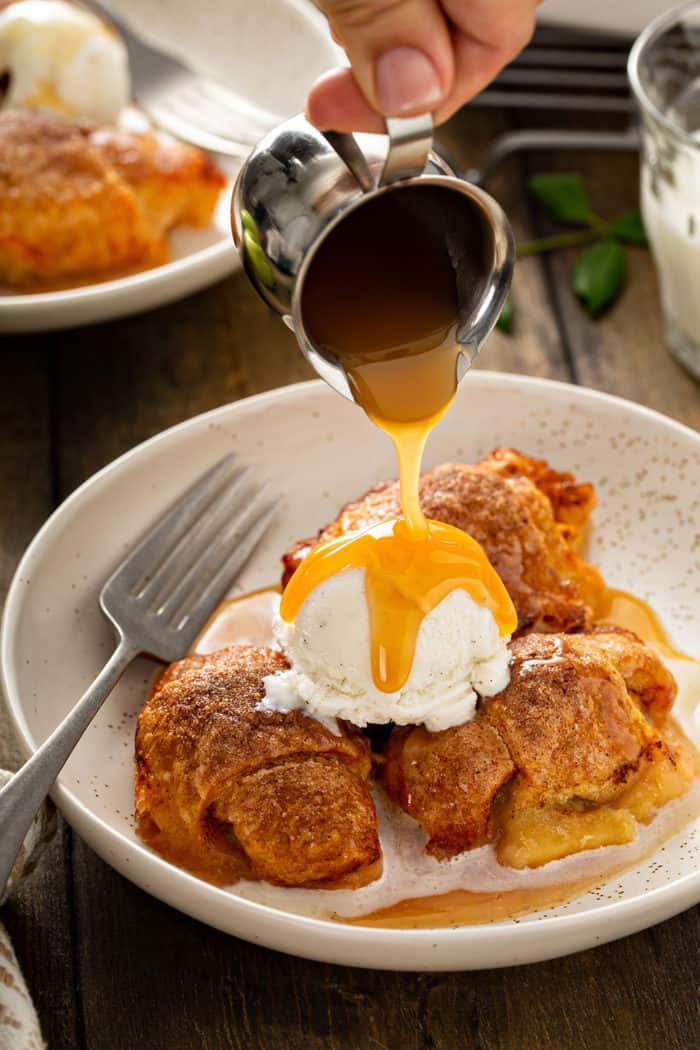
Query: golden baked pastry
[(525, 516), (231, 792), (448, 781), (563, 759), (81, 201), (647, 678), (571, 501)]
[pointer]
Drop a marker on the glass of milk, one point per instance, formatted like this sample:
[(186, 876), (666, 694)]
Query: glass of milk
[(664, 70)]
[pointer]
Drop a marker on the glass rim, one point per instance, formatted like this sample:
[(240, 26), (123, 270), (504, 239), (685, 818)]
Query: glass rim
[(647, 37)]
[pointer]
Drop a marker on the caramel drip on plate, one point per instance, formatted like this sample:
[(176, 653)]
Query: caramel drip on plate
[(469, 907), (240, 621), (381, 298), (622, 609)]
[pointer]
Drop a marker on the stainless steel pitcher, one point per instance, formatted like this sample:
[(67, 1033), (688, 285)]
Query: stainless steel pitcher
[(298, 184)]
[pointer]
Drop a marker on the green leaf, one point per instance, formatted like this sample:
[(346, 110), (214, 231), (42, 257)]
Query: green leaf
[(564, 197), (598, 275), (630, 229), (505, 318)]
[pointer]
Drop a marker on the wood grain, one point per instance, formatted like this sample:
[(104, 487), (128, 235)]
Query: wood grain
[(211, 991), (25, 476), (120, 383), (39, 916)]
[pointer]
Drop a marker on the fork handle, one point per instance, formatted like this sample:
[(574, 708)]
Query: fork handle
[(21, 799)]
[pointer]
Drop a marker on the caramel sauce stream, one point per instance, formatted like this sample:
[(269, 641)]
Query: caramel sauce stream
[(381, 297)]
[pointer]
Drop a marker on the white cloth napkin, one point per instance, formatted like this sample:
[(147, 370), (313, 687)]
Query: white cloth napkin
[(19, 1025)]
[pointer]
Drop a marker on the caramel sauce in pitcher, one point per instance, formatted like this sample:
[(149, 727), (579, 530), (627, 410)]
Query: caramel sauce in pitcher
[(380, 296)]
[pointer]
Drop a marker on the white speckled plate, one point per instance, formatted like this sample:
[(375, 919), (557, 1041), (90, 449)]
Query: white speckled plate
[(319, 452)]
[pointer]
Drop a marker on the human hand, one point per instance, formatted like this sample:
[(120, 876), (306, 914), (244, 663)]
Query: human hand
[(414, 56)]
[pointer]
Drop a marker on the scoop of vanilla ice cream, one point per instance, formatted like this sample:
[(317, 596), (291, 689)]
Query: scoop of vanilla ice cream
[(64, 59), (459, 654)]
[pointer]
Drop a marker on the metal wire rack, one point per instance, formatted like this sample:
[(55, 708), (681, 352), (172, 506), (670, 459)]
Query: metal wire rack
[(563, 72)]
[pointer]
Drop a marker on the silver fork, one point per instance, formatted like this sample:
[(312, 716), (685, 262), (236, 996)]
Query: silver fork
[(187, 105), (158, 600)]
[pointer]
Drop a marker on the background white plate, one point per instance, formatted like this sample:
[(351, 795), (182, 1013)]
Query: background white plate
[(198, 258), (270, 52), (319, 451)]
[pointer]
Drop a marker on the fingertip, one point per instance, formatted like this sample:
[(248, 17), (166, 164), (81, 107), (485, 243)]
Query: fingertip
[(336, 103)]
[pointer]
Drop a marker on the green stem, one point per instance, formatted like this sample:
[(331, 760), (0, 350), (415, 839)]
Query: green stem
[(561, 240)]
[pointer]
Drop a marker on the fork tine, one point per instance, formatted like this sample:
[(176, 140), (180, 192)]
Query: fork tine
[(207, 118), (160, 540), (212, 558), (570, 58), (197, 543), (232, 107), (553, 78), (238, 549), (564, 70), (169, 121), (186, 106), (229, 99), (553, 100)]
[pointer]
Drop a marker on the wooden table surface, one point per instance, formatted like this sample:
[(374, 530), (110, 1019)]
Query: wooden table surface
[(111, 968)]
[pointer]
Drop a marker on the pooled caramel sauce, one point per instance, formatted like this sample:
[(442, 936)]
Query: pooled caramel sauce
[(248, 620), (621, 609), (464, 907), (240, 621), (381, 297)]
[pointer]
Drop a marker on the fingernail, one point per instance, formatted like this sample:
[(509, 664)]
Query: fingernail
[(406, 81)]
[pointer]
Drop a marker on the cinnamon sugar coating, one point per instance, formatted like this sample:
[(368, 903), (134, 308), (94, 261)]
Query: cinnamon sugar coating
[(229, 791)]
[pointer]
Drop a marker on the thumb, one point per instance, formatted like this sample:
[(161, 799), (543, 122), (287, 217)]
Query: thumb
[(400, 52)]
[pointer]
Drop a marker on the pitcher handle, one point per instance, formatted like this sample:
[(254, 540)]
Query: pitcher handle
[(410, 142)]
